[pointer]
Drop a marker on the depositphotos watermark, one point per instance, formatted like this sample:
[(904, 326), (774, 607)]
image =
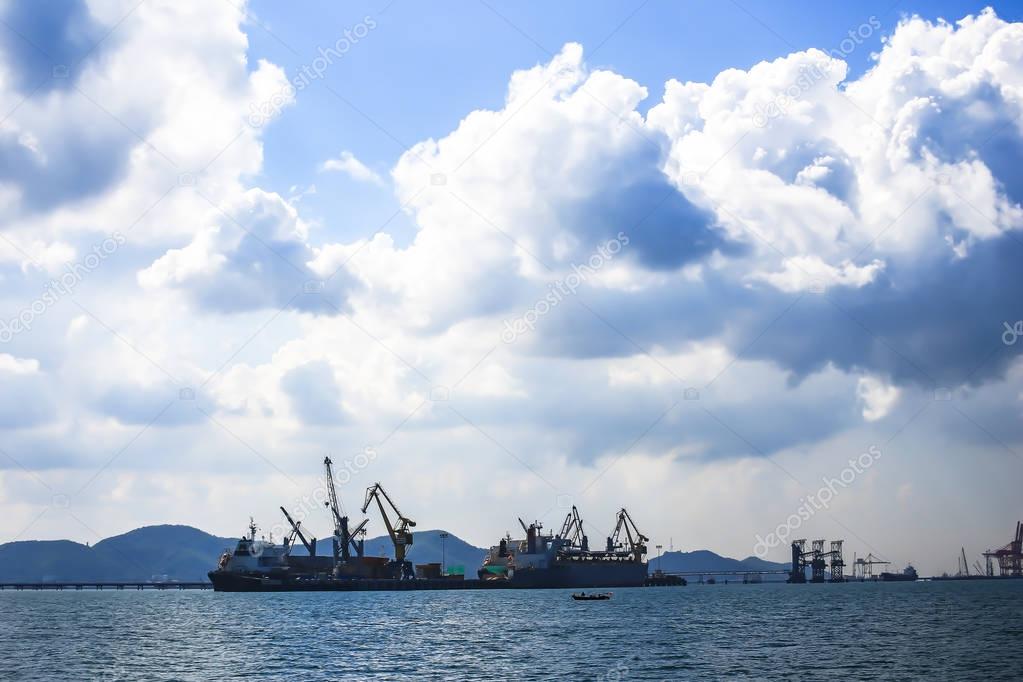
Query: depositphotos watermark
[(812, 504), (1012, 333), (62, 286), (263, 112), (559, 290), (810, 75)]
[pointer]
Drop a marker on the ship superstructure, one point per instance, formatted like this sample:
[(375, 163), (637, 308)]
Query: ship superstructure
[(254, 556)]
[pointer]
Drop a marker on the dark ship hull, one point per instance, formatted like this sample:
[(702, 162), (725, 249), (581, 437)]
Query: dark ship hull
[(582, 574), (227, 581)]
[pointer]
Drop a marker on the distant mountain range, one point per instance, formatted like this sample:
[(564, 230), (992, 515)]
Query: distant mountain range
[(185, 553), (705, 560)]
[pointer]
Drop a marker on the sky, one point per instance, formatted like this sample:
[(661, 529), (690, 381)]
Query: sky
[(750, 271)]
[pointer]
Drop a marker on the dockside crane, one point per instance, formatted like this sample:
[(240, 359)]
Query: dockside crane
[(1009, 557), (345, 540), (635, 541), (310, 544), (401, 535), (864, 568)]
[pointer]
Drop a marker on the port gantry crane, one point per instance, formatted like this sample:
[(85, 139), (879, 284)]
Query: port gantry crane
[(345, 540), (399, 531), (635, 542), (864, 568), (289, 541), (1009, 557)]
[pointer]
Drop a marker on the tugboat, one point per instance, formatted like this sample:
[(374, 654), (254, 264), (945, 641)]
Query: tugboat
[(908, 575)]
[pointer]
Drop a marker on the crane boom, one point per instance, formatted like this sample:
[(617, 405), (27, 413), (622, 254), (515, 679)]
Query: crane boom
[(310, 544), (399, 531), (332, 502), (572, 529), (635, 540), (344, 540), (357, 544)]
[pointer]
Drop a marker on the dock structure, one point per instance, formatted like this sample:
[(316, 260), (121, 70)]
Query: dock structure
[(837, 562), (1009, 558), (168, 585), (818, 561)]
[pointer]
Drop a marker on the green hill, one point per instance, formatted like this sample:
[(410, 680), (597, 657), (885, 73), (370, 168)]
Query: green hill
[(179, 553), (187, 554)]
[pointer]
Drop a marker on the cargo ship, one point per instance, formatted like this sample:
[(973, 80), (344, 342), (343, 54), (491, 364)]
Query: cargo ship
[(537, 561), (566, 560), (908, 574), (261, 564)]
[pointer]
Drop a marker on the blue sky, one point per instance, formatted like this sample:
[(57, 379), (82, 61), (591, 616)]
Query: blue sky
[(425, 68), (699, 260)]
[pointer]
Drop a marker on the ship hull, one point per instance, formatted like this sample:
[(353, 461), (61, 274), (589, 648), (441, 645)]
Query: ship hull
[(897, 578), (625, 575), (583, 574), (226, 581)]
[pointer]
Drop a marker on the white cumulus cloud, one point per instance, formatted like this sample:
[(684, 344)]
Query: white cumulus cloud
[(349, 165)]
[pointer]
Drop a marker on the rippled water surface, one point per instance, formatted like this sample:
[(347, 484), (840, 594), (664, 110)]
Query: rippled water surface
[(937, 631)]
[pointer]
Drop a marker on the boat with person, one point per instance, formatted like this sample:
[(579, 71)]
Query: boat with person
[(598, 596)]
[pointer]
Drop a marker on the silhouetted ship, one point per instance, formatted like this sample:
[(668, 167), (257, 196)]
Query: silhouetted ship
[(908, 574), (539, 560)]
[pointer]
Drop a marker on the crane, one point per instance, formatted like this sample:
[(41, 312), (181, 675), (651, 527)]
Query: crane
[(1009, 557), (399, 531), (864, 568), (344, 539), (965, 569), (310, 544), (635, 540), (572, 530)]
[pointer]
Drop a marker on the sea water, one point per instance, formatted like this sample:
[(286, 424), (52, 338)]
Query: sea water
[(922, 630)]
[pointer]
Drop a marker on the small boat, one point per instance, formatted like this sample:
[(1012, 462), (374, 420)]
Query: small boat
[(598, 596)]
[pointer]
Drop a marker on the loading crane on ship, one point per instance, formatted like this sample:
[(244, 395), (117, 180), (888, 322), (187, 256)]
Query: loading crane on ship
[(399, 531), (572, 530), (635, 541), (289, 541), (345, 541)]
